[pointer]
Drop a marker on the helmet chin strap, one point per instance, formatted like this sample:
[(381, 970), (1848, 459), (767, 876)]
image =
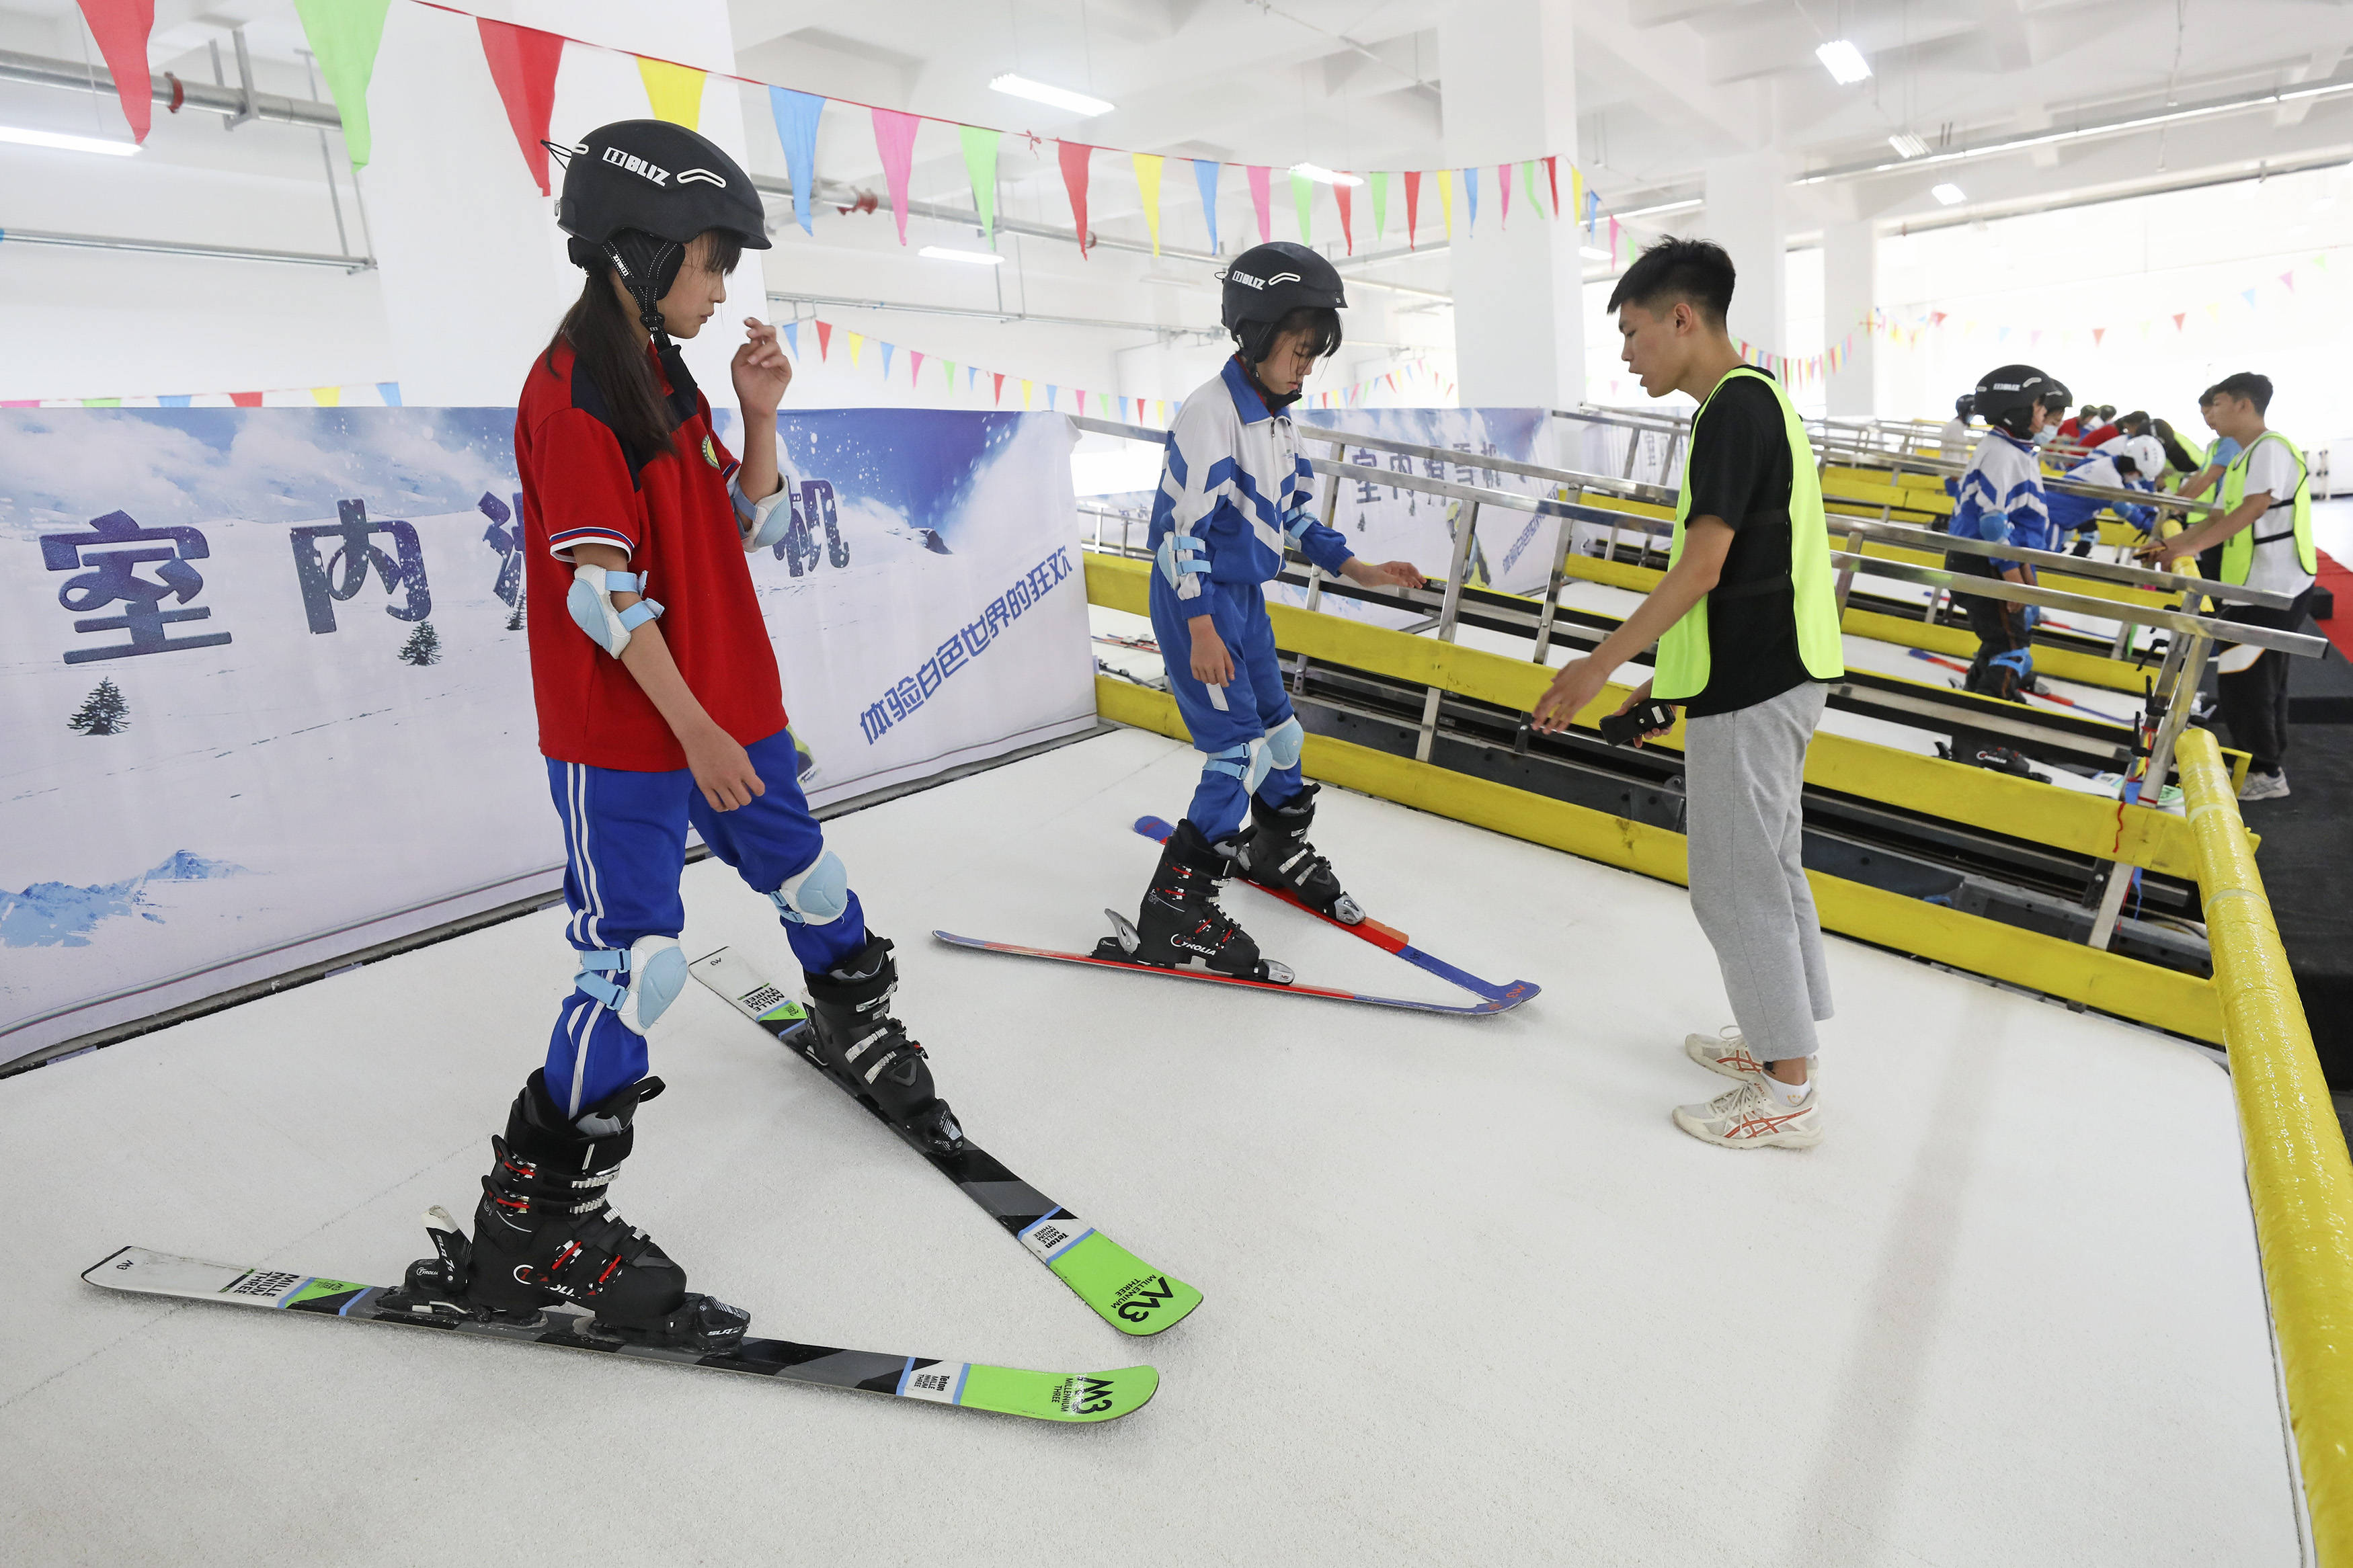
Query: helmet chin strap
[(645, 287)]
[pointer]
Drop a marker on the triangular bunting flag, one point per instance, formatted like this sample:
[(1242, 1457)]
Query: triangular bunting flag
[(1381, 182), (326, 397), (2287, 281), (120, 27), (795, 115), (675, 90), (1075, 155), (980, 162), (182, 399), (887, 350), (102, 403), (1262, 200), (1504, 187), (1551, 180), (1340, 196), (1025, 395), (1205, 177), (344, 34), (1529, 176), (1052, 391), (1412, 204), (522, 62), (1446, 198), (857, 341), (914, 366), (792, 331), (823, 340), (1147, 185), (949, 369), (997, 396), (894, 138), (2249, 296), (2179, 316), (245, 399), (1470, 194), (2097, 334), (387, 390), (1302, 192)]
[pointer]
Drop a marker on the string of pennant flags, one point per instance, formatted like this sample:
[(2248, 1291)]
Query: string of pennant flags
[(343, 36), (2280, 287), (387, 394)]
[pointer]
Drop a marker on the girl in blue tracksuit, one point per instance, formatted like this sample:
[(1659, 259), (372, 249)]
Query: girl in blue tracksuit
[(1234, 494), (2002, 502)]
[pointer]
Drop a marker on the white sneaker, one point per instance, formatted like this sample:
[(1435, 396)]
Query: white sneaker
[(1745, 1117), (1725, 1052), (2265, 786)]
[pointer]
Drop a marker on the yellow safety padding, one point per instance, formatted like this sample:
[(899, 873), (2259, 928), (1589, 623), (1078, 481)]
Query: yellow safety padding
[(2298, 1176), (1954, 791), (2107, 981)]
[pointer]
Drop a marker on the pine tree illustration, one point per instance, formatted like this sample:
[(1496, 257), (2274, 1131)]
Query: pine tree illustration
[(514, 621), (103, 712), (423, 647)]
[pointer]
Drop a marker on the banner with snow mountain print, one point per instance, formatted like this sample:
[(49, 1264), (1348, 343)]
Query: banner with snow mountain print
[(267, 697)]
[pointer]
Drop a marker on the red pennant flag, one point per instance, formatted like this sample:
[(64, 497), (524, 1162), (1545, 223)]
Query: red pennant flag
[(1936, 318), (2178, 317), (1551, 175), (824, 338), (245, 399), (1074, 156), (522, 63), (120, 27), (1340, 194), (2097, 334), (915, 360), (998, 396), (1413, 203)]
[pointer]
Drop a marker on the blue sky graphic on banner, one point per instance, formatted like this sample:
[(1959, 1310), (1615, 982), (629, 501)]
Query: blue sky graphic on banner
[(269, 697)]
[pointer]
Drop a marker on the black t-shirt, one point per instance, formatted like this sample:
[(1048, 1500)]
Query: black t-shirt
[(1739, 471)]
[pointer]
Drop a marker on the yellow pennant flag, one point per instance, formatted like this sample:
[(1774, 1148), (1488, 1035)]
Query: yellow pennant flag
[(1147, 184), (1576, 195), (676, 91), (1025, 395), (857, 341), (1159, 411), (1446, 198), (326, 397)]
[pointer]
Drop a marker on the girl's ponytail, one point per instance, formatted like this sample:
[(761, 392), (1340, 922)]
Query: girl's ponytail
[(609, 347)]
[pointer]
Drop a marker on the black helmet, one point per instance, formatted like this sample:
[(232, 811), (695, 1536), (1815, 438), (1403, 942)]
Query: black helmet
[(2056, 397), (2006, 398), (1266, 283), (1965, 406), (635, 193)]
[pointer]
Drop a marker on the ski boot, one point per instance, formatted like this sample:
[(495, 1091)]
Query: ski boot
[(543, 1235), (852, 1035), (1274, 853), (1180, 920)]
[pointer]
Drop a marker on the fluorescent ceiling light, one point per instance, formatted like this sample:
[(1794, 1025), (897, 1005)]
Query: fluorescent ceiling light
[(1059, 97), (1949, 192), (65, 144), (1323, 175), (1844, 61), (978, 258), (1907, 145), (1590, 254)]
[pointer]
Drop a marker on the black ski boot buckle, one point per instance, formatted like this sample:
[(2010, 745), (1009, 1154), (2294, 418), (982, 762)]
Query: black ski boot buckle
[(435, 1287)]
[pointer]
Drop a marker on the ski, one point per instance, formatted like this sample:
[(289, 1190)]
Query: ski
[(1944, 663), (1387, 938), (1008, 1391), (1127, 1292), (1322, 993)]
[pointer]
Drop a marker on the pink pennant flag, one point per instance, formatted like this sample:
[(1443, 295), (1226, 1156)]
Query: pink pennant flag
[(894, 138), (120, 27), (914, 365), (1262, 199), (1503, 180), (1074, 179), (2179, 316), (2097, 334), (2287, 280)]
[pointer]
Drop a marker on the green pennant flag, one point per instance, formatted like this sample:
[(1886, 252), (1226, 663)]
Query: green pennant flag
[(948, 366), (1380, 179), (1529, 168), (980, 162), (1303, 190), (344, 34)]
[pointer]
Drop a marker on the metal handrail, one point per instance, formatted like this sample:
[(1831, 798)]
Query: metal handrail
[(1632, 490), (2059, 560)]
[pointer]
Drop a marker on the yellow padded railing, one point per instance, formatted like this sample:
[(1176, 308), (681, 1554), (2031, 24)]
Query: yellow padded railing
[(2298, 1171)]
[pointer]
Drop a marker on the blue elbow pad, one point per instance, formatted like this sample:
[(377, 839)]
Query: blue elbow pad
[(1993, 527)]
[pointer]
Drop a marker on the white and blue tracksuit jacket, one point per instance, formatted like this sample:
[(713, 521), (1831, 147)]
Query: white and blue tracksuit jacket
[(1234, 491), (2074, 514), (2001, 499)]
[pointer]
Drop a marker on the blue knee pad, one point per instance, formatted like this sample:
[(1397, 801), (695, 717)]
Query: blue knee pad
[(1251, 763), (1283, 743), (817, 896), (2019, 661), (638, 982)]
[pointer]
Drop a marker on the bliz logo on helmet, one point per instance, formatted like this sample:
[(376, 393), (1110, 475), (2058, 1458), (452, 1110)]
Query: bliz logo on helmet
[(639, 166)]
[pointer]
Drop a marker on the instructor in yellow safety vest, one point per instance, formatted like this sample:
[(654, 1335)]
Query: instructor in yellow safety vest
[(2260, 537), (1746, 623)]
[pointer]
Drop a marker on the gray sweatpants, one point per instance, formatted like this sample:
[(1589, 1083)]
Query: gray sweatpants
[(1743, 773)]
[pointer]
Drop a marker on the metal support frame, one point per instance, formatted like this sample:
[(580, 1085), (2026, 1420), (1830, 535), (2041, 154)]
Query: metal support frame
[(1564, 537), (1466, 529)]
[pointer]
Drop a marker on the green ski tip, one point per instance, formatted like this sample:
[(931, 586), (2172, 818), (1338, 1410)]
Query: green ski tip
[(1045, 1397), (1127, 1292)]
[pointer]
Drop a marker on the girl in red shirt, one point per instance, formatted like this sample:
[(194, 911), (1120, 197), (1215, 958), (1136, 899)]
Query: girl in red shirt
[(660, 708)]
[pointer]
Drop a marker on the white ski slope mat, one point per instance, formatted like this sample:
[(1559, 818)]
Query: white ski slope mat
[(1471, 1297)]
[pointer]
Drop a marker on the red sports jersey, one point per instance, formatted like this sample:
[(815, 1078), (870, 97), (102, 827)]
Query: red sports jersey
[(674, 517)]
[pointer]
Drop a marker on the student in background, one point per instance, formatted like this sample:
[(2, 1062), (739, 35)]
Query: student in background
[(1953, 440), (2260, 537), (2124, 468)]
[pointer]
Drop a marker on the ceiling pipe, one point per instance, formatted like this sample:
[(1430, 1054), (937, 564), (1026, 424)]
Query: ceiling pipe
[(230, 102), (178, 248)]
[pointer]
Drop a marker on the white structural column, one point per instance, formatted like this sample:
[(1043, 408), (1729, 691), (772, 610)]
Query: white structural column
[(474, 272), (1850, 286), (1747, 212), (1509, 92)]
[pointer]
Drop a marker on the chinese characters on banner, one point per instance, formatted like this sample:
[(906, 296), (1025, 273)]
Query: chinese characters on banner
[(964, 646), (114, 551)]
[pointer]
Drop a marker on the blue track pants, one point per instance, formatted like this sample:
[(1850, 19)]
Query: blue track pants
[(1245, 708)]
